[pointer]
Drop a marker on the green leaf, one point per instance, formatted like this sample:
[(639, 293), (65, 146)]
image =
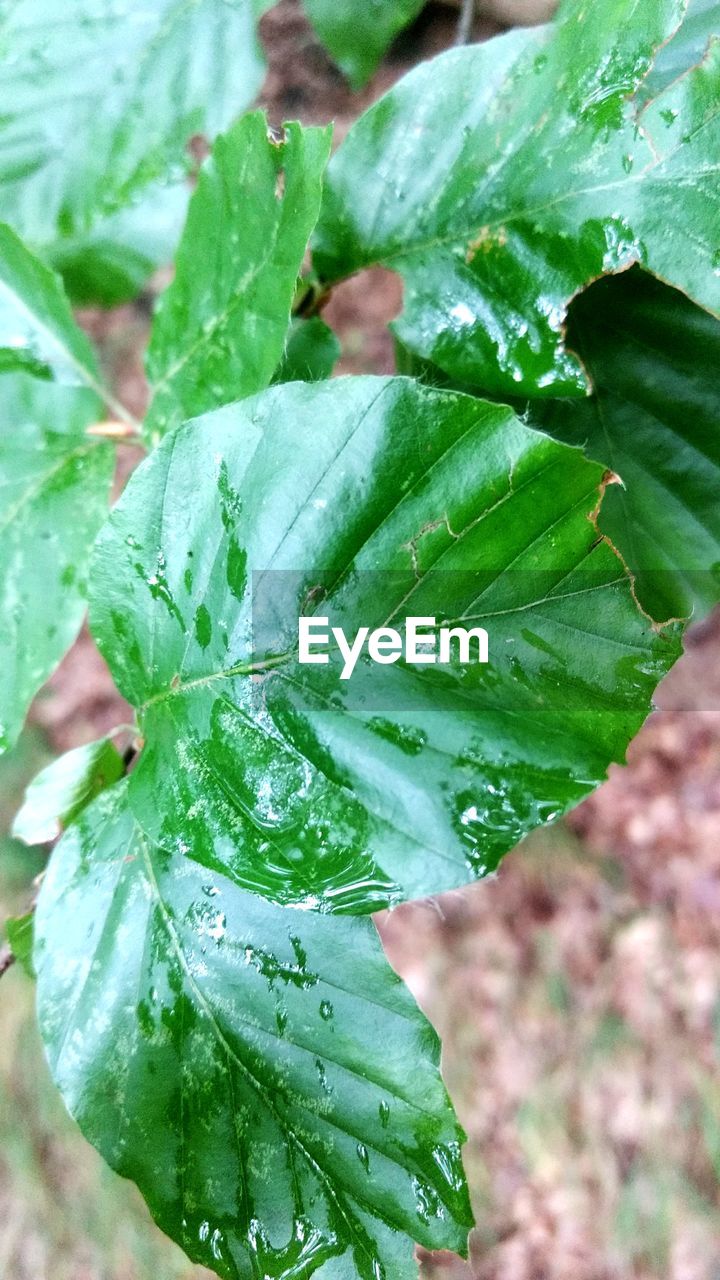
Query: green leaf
[(686, 49), (111, 263), (359, 45), (261, 1074), (393, 500), (652, 357), (310, 352), (38, 334), (64, 788), (55, 482), (502, 178), (100, 102), (19, 931), (220, 328)]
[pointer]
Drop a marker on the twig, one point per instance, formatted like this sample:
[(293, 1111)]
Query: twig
[(7, 959), (465, 21)]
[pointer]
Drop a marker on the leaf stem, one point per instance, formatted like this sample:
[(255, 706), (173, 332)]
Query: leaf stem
[(7, 959), (465, 21)]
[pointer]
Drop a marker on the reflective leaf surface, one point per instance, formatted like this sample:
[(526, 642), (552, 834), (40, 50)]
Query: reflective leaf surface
[(64, 788), (261, 1074), (371, 499)]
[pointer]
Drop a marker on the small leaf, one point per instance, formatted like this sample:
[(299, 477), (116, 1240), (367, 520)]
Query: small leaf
[(310, 352), (220, 328), (652, 357), (373, 499), (64, 788), (55, 483), (19, 931), (261, 1074), (38, 334), (500, 179), (358, 46), (98, 106)]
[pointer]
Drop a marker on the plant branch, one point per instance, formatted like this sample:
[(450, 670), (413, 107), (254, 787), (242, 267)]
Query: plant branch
[(7, 958), (465, 21)]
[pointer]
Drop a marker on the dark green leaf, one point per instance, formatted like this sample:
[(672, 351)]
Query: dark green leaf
[(358, 42), (686, 49), (111, 263), (99, 101), (393, 500), (652, 357), (262, 1074), (55, 483), (19, 933), (37, 331), (64, 788), (310, 354), (220, 328), (500, 179)]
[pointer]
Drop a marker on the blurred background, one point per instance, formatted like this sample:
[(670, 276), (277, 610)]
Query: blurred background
[(577, 993)]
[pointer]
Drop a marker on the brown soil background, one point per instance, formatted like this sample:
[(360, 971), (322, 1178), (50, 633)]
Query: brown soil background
[(577, 992)]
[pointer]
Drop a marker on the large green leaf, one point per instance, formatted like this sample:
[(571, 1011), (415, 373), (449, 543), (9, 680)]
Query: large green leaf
[(64, 788), (99, 100), (500, 179), (394, 500), (221, 326), (37, 331), (358, 44), (262, 1074), (55, 483)]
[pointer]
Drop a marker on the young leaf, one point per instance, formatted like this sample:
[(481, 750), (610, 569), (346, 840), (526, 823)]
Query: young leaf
[(500, 179), (38, 334), (55, 482), (19, 931), (392, 500), (64, 788), (652, 357), (358, 46), (310, 352), (101, 103), (262, 1075), (220, 328)]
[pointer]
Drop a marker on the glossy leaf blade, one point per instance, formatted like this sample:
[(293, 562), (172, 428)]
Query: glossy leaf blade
[(55, 483), (373, 498), (686, 49), (100, 102), (64, 788), (38, 334), (359, 45), (501, 179), (220, 327), (262, 1074), (653, 419)]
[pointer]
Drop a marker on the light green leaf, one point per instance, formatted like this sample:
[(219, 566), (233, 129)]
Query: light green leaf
[(220, 328), (19, 932), (371, 499), (502, 178), (358, 44), (64, 788), (310, 352), (55, 483), (111, 263), (654, 420), (37, 331), (260, 1073), (686, 49), (99, 101)]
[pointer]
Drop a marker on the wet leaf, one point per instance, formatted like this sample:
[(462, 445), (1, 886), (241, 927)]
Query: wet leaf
[(687, 47), (502, 178), (55, 483), (38, 334), (310, 352), (652, 357), (98, 106), (358, 45), (261, 1074), (220, 327), (370, 499), (64, 788)]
